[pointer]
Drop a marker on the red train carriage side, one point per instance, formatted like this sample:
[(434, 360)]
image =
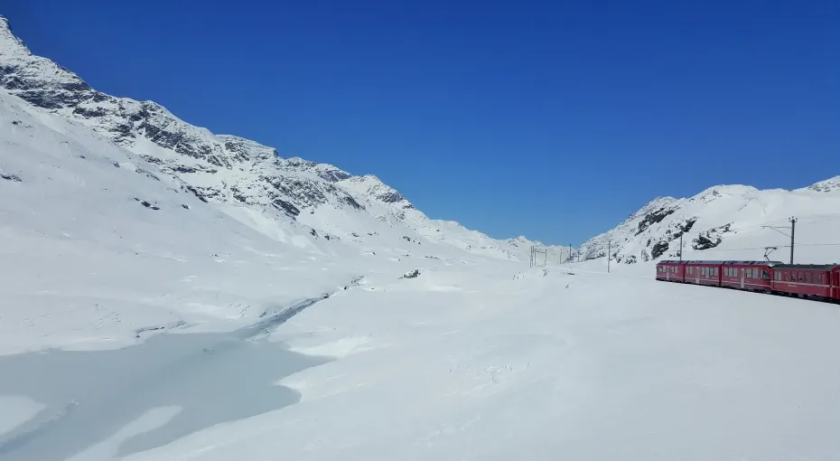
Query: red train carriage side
[(670, 270), (703, 272), (748, 275), (806, 280), (821, 281)]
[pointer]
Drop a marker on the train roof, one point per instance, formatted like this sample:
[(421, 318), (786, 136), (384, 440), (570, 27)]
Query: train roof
[(826, 267), (731, 263)]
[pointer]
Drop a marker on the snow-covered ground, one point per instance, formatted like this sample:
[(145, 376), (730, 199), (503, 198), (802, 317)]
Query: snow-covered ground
[(546, 365)]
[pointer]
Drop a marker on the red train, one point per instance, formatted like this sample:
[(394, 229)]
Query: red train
[(817, 281)]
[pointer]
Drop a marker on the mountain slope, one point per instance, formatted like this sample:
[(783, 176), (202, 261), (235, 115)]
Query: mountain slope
[(247, 178), (729, 222), (100, 246)]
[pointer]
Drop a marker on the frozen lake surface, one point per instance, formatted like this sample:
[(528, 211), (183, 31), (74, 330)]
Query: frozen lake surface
[(141, 397)]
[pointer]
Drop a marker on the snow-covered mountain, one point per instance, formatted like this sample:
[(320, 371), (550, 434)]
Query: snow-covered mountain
[(246, 179), (729, 222)]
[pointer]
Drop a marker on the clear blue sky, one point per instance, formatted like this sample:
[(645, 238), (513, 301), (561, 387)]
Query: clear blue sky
[(550, 119)]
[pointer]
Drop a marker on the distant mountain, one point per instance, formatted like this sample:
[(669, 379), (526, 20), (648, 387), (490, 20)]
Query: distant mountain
[(249, 180), (727, 222)]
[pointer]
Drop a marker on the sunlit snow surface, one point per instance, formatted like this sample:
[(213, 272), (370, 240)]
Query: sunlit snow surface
[(197, 332)]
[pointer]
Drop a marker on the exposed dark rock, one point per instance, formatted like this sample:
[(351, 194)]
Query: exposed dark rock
[(659, 249), (290, 209), (146, 174), (11, 177), (352, 202), (411, 275), (151, 159), (195, 192), (147, 204), (186, 207), (711, 238), (653, 218)]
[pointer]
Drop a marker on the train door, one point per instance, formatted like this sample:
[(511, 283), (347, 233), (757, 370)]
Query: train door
[(743, 271), (697, 270), (668, 273), (836, 285)]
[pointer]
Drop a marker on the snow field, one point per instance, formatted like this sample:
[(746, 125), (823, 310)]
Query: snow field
[(584, 366)]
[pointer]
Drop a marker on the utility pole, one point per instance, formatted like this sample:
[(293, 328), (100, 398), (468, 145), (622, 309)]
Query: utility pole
[(681, 247), (792, 234), (570, 254), (609, 254)]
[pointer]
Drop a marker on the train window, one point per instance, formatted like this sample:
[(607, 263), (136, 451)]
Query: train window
[(716, 272), (765, 275), (808, 277)]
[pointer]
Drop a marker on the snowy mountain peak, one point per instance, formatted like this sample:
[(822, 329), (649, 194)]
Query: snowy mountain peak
[(829, 185), (714, 221), (9, 43)]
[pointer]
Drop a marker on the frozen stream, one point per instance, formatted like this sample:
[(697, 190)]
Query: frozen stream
[(176, 383)]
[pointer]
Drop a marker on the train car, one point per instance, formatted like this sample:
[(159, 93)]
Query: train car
[(748, 275), (670, 270), (807, 280), (818, 281), (703, 272)]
